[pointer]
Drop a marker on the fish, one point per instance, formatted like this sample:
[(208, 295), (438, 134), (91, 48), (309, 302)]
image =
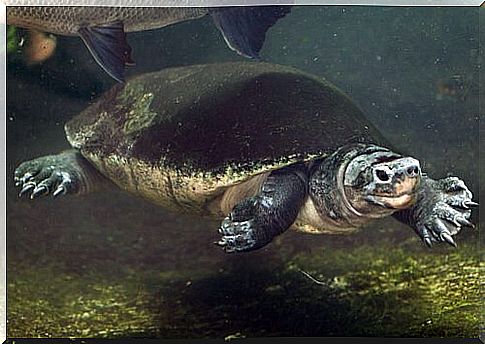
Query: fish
[(40, 47), (458, 87), (104, 29)]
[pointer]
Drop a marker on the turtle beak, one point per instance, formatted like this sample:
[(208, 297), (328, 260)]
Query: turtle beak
[(394, 183)]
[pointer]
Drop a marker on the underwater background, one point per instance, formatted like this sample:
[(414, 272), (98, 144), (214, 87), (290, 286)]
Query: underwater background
[(112, 265)]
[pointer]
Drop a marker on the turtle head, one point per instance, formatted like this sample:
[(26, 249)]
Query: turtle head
[(381, 182), (362, 182)]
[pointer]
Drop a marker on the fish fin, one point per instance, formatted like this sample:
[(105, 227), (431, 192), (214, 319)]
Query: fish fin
[(244, 28), (107, 43)]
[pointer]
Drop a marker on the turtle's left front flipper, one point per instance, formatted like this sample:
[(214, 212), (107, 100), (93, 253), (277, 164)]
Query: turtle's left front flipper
[(244, 27), (442, 208)]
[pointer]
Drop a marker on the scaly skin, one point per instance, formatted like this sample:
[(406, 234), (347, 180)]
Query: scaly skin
[(67, 20), (441, 210), (60, 174), (256, 221)]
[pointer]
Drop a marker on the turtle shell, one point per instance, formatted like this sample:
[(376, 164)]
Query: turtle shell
[(180, 136)]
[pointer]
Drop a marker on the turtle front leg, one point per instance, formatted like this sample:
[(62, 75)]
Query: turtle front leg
[(65, 173), (442, 208), (255, 221)]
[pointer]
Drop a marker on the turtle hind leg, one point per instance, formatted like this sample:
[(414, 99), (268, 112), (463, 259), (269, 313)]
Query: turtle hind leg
[(64, 173), (255, 221)]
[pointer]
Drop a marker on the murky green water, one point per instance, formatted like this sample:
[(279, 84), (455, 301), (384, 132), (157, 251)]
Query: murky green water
[(111, 265)]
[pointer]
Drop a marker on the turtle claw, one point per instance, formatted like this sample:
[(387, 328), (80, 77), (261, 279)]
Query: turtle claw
[(436, 232), (470, 204), (464, 222), (428, 242), (447, 237), (60, 190), (26, 188), (41, 176), (425, 233), (441, 211), (39, 191)]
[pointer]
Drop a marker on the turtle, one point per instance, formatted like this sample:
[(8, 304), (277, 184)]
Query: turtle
[(262, 147)]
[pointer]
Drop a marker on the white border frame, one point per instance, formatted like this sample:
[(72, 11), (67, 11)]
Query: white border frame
[(3, 172), (218, 3), (137, 3)]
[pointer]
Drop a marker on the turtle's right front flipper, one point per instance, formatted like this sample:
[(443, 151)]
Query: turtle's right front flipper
[(64, 173), (255, 221)]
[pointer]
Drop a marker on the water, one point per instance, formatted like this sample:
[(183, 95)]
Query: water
[(109, 264)]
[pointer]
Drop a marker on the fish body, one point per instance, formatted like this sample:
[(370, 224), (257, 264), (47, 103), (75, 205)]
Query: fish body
[(62, 20), (103, 29), (458, 87)]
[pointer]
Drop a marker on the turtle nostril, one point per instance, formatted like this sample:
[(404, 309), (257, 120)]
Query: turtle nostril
[(412, 171), (382, 175)]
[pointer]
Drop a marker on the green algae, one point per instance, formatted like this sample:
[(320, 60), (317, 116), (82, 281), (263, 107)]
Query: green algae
[(404, 293), (45, 303), (364, 291), (12, 39), (66, 306)]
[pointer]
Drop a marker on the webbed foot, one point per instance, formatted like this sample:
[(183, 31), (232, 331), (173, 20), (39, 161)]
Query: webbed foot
[(239, 228), (52, 174), (255, 221), (442, 210)]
